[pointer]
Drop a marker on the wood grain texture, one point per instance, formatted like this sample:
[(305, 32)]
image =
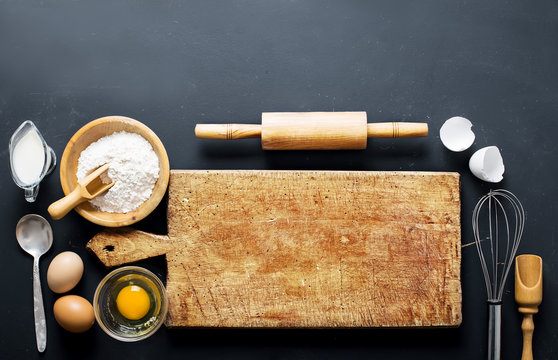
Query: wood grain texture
[(305, 249), (314, 130), (227, 131), (93, 131), (397, 130), (342, 130), (528, 295)]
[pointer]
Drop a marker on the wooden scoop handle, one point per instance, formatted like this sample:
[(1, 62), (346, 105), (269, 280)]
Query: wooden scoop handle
[(528, 327), (80, 194), (60, 208)]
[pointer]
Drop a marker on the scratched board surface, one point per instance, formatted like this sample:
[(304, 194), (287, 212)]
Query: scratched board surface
[(305, 249)]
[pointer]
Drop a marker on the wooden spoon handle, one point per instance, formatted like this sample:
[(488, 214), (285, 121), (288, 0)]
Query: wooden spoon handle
[(528, 326), (60, 208)]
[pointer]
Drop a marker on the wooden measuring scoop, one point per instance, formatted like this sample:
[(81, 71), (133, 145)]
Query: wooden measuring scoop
[(87, 188), (528, 295)]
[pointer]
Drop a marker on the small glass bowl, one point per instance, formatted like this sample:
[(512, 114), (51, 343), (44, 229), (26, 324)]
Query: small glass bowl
[(109, 318)]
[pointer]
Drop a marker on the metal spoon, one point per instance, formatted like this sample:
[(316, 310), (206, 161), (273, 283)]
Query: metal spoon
[(34, 235)]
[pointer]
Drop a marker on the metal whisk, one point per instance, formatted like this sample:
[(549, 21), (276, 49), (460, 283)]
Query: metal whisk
[(506, 219)]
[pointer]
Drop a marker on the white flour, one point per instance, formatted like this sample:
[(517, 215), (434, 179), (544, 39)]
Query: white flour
[(134, 167)]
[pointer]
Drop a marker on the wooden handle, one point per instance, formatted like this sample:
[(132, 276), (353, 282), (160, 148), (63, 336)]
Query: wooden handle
[(227, 131), (397, 130), (528, 326), (60, 208), (125, 245), (528, 295), (344, 130)]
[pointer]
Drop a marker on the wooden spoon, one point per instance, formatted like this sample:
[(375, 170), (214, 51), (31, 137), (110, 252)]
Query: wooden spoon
[(528, 295), (87, 188)]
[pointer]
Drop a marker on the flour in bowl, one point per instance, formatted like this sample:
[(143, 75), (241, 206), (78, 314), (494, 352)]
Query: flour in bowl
[(134, 168)]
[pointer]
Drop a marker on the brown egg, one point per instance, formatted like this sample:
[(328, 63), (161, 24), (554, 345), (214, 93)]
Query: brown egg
[(64, 272), (74, 313)]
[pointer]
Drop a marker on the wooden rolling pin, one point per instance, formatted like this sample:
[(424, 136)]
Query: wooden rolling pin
[(312, 130)]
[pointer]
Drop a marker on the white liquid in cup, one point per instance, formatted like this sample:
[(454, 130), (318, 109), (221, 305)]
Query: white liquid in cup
[(29, 158)]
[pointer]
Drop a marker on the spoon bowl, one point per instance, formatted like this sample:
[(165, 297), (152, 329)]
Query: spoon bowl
[(34, 235)]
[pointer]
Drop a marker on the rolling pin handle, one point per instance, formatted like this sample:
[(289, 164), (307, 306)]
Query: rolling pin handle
[(397, 130), (227, 131)]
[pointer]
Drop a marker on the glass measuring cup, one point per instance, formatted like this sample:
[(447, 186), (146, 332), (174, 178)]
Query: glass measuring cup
[(31, 159)]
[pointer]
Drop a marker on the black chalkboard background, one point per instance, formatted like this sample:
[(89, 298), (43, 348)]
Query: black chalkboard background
[(171, 64)]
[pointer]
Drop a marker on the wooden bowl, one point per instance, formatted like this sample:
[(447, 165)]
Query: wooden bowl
[(92, 132)]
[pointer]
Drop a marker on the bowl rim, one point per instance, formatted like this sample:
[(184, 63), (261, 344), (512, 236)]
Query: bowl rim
[(138, 270), (158, 193)]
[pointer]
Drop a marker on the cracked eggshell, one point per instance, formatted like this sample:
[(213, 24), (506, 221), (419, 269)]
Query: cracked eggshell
[(456, 134), (487, 164)]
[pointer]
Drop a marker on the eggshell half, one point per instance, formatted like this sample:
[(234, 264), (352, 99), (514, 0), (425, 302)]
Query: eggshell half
[(74, 313), (487, 164), (64, 272), (456, 134)]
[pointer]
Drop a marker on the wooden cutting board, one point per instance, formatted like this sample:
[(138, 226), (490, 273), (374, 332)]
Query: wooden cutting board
[(305, 249)]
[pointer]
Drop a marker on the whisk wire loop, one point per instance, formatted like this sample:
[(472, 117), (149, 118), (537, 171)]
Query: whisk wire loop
[(501, 205)]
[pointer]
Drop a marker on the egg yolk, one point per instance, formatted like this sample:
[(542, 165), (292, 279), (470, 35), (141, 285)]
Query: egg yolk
[(133, 302)]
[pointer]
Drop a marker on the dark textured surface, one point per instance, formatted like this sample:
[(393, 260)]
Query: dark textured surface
[(171, 64)]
